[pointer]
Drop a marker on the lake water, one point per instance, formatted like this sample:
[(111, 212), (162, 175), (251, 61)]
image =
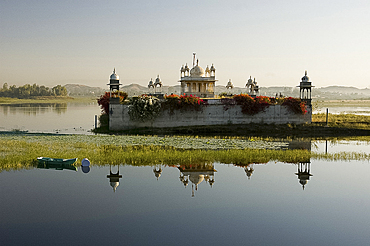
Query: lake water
[(345, 110), (316, 202), (212, 204), (75, 118)]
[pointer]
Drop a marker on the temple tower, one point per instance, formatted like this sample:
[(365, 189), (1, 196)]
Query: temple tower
[(305, 87), (114, 88)]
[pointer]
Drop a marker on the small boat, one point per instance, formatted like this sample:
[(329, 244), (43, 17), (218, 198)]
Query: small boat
[(56, 163), (48, 160)]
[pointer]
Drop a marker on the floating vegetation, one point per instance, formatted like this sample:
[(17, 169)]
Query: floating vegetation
[(18, 151), (180, 142)]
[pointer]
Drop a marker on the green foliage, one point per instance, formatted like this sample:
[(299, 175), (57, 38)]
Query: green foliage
[(144, 108), (104, 120), (31, 91), (59, 91), (223, 94)]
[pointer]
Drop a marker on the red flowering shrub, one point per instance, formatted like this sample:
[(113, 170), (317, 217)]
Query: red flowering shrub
[(250, 105), (295, 105), (103, 101), (183, 102)]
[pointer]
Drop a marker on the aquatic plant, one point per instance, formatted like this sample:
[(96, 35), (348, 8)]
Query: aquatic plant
[(18, 151)]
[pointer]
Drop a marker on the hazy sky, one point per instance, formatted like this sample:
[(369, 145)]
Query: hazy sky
[(59, 42)]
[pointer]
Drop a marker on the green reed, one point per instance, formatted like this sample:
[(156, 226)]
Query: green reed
[(343, 120), (21, 153)]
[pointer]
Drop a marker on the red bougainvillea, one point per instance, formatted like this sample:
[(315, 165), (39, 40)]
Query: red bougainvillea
[(250, 105), (103, 101), (295, 105), (253, 106), (183, 102)]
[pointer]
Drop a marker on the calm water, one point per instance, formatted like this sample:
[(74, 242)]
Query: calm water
[(345, 110), (213, 204), (49, 117), (63, 207)]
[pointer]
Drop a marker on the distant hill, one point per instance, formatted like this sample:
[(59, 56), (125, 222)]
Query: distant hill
[(324, 93), (76, 90)]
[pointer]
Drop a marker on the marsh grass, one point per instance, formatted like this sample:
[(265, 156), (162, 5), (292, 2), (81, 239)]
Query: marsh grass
[(20, 152), (343, 120)]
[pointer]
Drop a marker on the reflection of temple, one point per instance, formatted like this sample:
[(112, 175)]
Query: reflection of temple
[(196, 174), (249, 170), (304, 172), (157, 172), (114, 178)]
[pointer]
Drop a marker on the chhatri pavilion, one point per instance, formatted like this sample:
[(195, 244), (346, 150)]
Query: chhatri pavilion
[(197, 81)]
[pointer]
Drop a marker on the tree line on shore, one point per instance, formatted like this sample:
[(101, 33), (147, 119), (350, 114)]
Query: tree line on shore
[(30, 91)]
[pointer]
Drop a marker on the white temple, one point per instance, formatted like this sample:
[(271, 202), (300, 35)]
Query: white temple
[(198, 82)]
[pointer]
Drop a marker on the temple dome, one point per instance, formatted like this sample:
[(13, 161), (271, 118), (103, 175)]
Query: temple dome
[(305, 77), (114, 76), (197, 71), (196, 179), (114, 185)]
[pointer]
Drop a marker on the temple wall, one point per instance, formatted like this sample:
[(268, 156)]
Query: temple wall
[(213, 114)]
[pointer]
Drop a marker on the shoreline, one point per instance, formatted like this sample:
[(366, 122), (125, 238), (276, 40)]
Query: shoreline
[(313, 130), (45, 100)]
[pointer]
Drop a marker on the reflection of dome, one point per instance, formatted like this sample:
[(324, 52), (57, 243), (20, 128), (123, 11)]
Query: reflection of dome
[(114, 185), (196, 71), (157, 173), (114, 76), (303, 182), (196, 179)]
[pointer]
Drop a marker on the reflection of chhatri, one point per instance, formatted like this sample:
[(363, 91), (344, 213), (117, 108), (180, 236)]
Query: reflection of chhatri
[(196, 174), (249, 170), (114, 178), (157, 171), (304, 173)]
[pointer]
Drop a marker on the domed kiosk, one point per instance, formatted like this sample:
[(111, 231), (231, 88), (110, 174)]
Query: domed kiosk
[(198, 82), (114, 88)]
